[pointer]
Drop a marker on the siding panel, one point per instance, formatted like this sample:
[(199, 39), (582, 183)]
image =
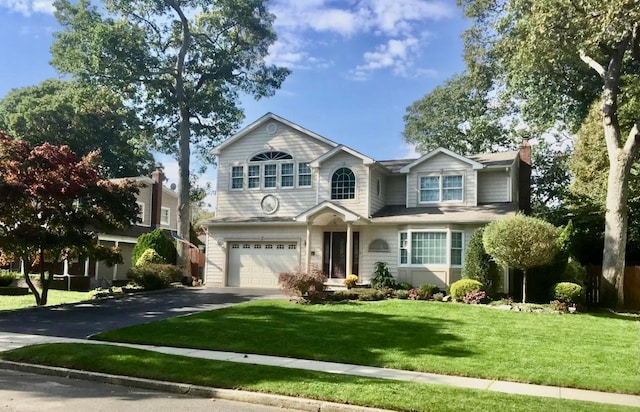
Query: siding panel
[(493, 186)]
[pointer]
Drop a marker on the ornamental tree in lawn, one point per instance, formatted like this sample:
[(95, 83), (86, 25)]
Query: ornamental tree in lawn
[(182, 63), (54, 204), (521, 242)]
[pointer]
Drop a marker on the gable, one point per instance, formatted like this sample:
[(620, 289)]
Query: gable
[(441, 161), (435, 156)]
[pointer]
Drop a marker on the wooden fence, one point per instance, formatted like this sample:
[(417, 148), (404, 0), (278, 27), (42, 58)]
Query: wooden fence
[(631, 286)]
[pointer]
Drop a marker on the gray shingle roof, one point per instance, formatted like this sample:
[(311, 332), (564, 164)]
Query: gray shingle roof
[(458, 214), (487, 159)]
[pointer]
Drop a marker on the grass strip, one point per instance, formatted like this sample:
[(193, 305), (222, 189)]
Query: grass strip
[(401, 396), (590, 351), (56, 297)]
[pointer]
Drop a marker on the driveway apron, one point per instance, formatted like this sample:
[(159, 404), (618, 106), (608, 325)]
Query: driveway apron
[(83, 319)]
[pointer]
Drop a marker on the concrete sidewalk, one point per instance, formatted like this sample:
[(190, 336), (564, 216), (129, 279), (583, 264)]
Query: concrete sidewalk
[(11, 341)]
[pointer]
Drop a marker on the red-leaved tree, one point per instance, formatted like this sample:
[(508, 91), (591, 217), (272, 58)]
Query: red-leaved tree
[(53, 204)]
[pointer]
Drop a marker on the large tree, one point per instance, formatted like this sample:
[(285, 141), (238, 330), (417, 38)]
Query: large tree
[(83, 117), (183, 64), (53, 204), (557, 58)]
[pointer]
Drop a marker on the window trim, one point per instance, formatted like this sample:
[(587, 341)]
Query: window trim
[(241, 177), (249, 177), (440, 177), (310, 174), (408, 248), (292, 175), (355, 185), (265, 176), (168, 222)]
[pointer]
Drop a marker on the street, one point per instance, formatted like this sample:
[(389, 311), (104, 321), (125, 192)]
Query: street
[(24, 392)]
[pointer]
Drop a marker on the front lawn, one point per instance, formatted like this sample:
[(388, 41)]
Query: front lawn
[(593, 351), (403, 396), (56, 297)]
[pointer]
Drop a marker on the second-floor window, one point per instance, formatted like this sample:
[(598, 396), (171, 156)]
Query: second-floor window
[(254, 176), (237, 176), (164, 216), (446, 188), (343, 184), (140, 212), (304, 175), (286, 175), (270, 175)]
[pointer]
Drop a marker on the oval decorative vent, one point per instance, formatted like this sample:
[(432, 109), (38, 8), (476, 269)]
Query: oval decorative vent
[(272, 128)]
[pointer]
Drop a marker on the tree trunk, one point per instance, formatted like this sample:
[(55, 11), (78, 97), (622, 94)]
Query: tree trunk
[(524, 286), (615, 231), (27, 279)]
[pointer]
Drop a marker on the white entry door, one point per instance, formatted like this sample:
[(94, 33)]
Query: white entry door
[(258, 264)]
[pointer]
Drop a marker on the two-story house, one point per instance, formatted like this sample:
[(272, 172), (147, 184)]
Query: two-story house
[(158, 206), (289, 197)]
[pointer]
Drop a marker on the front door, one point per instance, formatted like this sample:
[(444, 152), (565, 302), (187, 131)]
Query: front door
[(334, 256)]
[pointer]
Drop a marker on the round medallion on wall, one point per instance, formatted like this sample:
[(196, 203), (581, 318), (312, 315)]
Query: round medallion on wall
[(272, 128), (269, 204)]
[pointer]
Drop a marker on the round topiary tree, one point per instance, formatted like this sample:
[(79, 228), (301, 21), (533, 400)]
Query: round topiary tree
[(159, 241), (521, 242), (479, 266)]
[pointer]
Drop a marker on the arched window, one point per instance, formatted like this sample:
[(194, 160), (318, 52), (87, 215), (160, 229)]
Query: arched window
[(343, 184), (266, 156)]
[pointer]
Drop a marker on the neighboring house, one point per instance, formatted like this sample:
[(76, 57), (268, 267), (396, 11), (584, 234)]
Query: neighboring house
[(158, 209), (288, 197)]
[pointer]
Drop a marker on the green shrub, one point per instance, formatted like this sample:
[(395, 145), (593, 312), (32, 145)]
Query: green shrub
[(308, 286), (460, 288), (427, 290), (478, 264), (382, 278), (149, 256), (567, 292), (438, 297), (154, 276), (404, 286), (370, 295), (402, 294), (341, 295), (159, 241), (6, 278), (574, 272)]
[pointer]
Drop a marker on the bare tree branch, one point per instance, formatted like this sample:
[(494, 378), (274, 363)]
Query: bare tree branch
[(593, 64)]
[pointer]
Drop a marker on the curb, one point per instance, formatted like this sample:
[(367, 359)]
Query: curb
[(278, 401)]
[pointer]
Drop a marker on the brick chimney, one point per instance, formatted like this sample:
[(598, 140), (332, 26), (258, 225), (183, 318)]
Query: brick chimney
[(156, 197), (524, 182)]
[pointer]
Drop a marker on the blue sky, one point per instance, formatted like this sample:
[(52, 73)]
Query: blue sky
[(356, 64)]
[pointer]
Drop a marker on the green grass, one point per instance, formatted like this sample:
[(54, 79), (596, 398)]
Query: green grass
[(592, 351), (56, 297), (403, 396)]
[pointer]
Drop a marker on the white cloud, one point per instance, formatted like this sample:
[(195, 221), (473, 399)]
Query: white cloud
[(28, 7), (398, 26), (397, 55), (409, 152)]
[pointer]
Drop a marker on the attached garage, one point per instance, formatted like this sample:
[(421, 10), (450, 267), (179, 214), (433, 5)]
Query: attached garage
[(258, 264)]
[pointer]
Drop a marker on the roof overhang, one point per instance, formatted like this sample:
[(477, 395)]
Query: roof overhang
[(426, 156), (327, 207)]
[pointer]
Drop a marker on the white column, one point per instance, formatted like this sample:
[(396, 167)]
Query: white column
[(115, 267), (308, 251), (86, 267), (349, 249), (65, 267)]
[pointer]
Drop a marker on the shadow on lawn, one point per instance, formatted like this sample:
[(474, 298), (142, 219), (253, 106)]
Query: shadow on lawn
[(338, 333)]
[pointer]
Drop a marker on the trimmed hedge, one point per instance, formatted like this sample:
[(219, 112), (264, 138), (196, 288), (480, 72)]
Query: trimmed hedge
[(459, 289), (567, 292), (149, 256), (154, 276), (6, 278)]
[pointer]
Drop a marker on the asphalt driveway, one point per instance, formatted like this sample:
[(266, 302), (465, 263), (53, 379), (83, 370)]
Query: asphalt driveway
[(81, 320)]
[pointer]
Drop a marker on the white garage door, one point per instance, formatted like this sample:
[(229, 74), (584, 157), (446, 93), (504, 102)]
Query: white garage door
[(258, 264)]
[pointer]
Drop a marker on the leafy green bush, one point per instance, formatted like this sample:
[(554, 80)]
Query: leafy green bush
[(438, 297), (6, 278), (478, 264), (308, 286), (460, 288), (574, 272), (153, 276), (382, 278), (402, 294), (341, 295), (404, 286), (159, 241), (567, 292), (427, 290), (149, 256), (370, 295)]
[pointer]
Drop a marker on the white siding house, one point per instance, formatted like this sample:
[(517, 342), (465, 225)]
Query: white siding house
[(288, 197)]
